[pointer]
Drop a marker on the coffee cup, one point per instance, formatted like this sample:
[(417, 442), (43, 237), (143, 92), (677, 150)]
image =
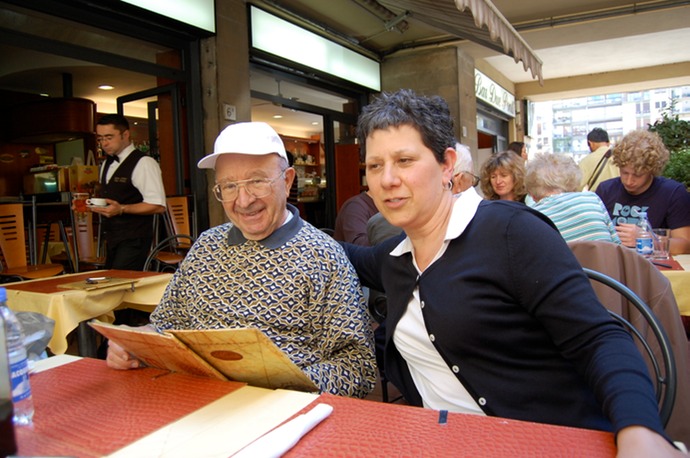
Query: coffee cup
[(96, 202)]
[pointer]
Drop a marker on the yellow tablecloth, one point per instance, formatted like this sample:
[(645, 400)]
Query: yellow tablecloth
[(680, 283), (70, 307)]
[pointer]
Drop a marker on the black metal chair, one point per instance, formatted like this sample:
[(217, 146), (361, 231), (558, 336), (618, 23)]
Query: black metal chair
[(665, 375)]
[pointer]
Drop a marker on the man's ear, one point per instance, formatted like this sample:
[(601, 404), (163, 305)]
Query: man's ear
[(289, 178)]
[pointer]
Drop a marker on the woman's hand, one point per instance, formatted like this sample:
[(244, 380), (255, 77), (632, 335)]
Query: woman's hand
[(638, 441)]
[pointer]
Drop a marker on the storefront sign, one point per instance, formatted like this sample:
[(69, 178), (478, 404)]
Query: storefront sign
[(490, 92), (199, 13), (277, 36)]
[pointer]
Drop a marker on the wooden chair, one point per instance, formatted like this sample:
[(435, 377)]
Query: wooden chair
[(13, 245), (179, 217), (167, 254), (87, 254), (82, 254)]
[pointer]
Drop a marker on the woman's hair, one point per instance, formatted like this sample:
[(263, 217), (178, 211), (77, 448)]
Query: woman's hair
[(516, 147), (511, 163), (430, 116), (552, 174), (643, 150)]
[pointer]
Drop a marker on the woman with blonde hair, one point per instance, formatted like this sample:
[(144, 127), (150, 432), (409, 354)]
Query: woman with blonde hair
[(503, 177)]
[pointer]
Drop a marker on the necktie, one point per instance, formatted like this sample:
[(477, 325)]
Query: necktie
[(109, 160)]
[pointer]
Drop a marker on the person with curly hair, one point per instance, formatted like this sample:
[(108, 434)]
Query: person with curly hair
[(641, 157), (503, 177), (553, 181)]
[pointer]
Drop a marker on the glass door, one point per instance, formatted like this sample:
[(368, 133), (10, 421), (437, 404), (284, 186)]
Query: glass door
[(155, 117)]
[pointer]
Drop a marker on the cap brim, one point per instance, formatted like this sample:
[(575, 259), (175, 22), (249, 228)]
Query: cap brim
[(208, 162)]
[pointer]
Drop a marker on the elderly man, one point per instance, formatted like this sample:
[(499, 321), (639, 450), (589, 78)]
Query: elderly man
[(270, 269)]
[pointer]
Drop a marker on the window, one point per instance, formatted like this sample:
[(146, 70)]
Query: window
[(564, 124)]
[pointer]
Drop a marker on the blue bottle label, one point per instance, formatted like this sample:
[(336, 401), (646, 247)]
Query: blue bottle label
[(645, 246), (19, 376)]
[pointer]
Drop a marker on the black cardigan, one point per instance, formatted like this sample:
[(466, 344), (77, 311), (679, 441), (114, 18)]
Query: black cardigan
[(512, 312)]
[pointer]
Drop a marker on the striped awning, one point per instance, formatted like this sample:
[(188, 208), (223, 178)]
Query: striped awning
[(475, 20)]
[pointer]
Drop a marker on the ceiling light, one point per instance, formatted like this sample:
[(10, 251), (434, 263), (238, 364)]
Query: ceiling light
[(315, 123), (277, 116), (106, 87)]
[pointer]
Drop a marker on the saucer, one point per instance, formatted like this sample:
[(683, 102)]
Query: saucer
[(96, 206)]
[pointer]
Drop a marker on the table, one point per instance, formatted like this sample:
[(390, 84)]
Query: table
[(71, 308), (193, 416), (680, 282), (86, 409)]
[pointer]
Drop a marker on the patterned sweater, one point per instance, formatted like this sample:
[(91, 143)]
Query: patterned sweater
[(297, 286)]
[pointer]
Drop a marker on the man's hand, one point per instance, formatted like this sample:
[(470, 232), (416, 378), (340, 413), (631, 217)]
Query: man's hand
[(112, 209), (628, 234), (120, 359)]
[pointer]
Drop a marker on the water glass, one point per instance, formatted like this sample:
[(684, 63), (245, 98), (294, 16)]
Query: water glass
[(661, 243)]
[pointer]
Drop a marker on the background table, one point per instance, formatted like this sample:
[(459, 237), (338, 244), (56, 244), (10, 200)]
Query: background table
[(70, 307), (680, 282)]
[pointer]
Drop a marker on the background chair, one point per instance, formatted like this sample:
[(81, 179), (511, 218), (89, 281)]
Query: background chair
[(86, 246), (167, 254), (14, 247), (81, 253), (665, 378), (644, 279)]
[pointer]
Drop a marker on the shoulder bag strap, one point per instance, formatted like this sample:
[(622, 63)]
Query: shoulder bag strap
[(597, 170)]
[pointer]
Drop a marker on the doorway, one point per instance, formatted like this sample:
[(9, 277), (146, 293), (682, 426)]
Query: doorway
[(311, 120), (161, 136)]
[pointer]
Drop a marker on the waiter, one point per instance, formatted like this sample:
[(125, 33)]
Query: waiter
[(132, 185)]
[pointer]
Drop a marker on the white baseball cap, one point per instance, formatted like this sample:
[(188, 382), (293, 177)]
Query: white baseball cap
[(255, 138)]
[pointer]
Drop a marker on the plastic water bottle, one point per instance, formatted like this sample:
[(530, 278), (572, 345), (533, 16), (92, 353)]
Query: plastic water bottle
[(645, 238), (19, 367), (8, 441)]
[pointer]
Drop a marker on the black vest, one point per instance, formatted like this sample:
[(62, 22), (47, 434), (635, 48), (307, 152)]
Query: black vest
[(121, 189)]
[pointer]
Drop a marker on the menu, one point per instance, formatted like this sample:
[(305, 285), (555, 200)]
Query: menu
[(239, 354)]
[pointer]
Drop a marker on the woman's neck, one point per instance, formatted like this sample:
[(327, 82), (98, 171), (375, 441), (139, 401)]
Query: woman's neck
[(428, 238)]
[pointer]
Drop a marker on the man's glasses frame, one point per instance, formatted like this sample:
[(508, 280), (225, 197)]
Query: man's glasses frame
[(256, 187), (475, 178)]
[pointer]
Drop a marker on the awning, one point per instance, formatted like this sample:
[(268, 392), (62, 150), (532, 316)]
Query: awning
[(467, 19)]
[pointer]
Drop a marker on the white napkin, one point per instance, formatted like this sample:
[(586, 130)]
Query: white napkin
[(275, 443)]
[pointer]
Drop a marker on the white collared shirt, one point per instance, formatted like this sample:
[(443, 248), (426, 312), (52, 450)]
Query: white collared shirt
[(146, 177), (437, 384)]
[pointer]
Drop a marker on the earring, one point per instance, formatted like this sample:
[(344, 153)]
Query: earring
[(450, 185)]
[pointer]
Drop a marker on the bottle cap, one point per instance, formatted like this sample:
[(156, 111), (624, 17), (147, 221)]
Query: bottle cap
[(3, 295)]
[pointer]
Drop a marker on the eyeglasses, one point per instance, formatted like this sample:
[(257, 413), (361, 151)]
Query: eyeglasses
[(475, 178), (256, 187)]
